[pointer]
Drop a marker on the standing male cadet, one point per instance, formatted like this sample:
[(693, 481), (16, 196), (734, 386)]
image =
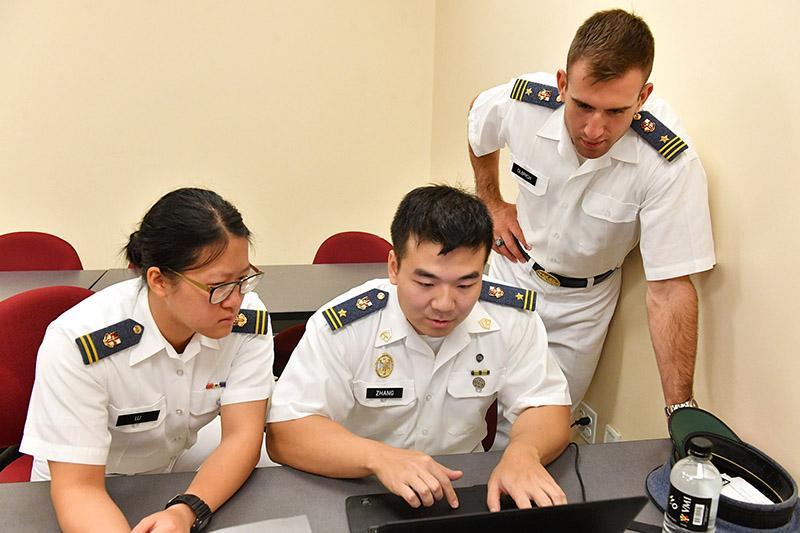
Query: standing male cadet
[(599, 167), (398, 369)]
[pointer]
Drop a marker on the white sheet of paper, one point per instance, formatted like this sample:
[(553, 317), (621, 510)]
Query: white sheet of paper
[(293, 524)]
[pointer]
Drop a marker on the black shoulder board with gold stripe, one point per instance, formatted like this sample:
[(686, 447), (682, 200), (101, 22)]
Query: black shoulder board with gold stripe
[(253, 321), (351, 310), (531, 92), (108, 341), (658, 135), (508, 295)]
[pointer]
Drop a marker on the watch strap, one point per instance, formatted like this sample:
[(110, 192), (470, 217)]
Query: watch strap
[(668, 410), (202, 512)]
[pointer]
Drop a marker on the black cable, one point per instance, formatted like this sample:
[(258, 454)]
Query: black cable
[(578, 470), (584, 421)]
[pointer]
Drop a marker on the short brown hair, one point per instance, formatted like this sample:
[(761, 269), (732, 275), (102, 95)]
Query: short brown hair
[(613, 42)]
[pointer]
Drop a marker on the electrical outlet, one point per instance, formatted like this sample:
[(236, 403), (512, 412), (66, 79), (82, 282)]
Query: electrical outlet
[(611, 434), (588, 431)]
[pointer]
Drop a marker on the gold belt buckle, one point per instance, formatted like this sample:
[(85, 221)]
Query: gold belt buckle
[(547, 277)]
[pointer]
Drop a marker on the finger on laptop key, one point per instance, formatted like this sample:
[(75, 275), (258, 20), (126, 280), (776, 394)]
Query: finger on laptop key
[(493, 496), (445, 477)]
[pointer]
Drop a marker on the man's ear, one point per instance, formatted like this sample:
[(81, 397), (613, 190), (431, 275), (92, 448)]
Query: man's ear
[(394, 267), (644, 94), (561, 81)]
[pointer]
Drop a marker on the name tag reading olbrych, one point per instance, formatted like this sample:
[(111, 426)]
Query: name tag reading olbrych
[(524, 174), (137, 418), (396, 392)]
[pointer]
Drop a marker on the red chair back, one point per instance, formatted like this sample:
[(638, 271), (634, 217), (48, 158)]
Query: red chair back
[(32, 250), (285, 343), (18, 471), (23, 320), (353, 247)]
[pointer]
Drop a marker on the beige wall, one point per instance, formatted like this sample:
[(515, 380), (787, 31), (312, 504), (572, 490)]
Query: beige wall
[(317, 117), (312, 117), (729, 71)]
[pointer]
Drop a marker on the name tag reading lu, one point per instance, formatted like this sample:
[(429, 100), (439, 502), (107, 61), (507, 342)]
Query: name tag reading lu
[(137, 418)]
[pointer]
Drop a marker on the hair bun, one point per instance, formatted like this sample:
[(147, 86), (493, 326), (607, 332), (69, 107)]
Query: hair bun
[(133, 251)]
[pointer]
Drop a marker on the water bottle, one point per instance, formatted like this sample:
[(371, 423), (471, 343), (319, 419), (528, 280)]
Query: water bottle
[(694, 487)]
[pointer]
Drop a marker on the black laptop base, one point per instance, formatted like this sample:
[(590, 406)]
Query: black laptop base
[(387, 513)]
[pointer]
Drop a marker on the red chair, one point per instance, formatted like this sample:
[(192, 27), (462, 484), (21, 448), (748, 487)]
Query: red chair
[(24, 318), (285, 343), (353, 247), (346, 247), (32, 250)]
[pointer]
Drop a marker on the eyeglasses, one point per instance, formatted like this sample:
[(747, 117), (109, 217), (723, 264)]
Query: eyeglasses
[(219, 293)]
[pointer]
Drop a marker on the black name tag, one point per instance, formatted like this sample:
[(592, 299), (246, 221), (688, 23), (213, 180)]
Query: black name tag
[(385, 393), (524, 174), (137, 418)]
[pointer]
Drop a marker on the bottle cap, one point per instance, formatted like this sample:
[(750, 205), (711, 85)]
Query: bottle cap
[(700, 446)]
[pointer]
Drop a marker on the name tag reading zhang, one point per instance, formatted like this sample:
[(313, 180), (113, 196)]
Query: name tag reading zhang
[(390, 392)]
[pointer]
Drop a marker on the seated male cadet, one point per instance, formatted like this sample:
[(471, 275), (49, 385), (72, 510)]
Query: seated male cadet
[(397, 370)]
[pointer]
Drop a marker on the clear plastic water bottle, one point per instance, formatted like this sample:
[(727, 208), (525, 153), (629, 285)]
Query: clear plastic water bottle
[(694, 487)]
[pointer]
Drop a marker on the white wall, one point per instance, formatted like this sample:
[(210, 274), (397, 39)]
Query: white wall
[(312, 117)]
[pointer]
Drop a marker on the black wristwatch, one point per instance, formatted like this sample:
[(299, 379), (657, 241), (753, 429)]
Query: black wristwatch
[(202, 512)]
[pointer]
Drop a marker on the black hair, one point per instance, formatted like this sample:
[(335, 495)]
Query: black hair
[(442, 215), (182, 226)]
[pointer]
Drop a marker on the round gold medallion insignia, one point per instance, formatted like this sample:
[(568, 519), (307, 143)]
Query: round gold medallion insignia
[(137, 329), (384, 365)]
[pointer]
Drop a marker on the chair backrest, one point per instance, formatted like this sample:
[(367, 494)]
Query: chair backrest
[(285, 343), (353, 247), (32, 250), (491, 427), (24, 318)]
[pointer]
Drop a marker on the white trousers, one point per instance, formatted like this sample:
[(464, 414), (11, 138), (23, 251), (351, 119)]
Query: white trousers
[(576, 321)]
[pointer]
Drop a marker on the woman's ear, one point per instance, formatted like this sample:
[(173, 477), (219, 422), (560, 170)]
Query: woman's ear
[(157, 281)]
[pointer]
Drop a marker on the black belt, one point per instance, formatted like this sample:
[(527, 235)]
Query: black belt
[(565, 281)]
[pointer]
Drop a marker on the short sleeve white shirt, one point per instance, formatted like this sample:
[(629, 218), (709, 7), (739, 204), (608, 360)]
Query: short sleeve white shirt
[(583, 219), (82, 413), (430, 403)]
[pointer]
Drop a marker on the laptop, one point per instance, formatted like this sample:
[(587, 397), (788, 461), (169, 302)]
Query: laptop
[(388, 513)]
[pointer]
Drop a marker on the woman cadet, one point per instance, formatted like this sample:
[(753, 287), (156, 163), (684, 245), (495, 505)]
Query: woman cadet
[(126, 378)]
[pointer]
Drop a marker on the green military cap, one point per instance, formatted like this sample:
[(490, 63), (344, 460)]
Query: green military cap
[(253, 321), (507, 295), (357, 307), (108, 341)]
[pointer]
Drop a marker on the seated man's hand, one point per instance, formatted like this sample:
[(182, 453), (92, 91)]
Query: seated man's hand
[(178, 519), (520, 474), (416, 477)]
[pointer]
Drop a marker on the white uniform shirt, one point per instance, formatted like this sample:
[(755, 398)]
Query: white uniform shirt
[(440, 410), (75, 408), (582, 220)]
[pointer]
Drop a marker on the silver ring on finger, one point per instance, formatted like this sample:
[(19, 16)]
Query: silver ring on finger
[(499, 242)]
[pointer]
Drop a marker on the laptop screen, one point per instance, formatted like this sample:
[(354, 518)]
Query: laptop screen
[(388, 513)]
